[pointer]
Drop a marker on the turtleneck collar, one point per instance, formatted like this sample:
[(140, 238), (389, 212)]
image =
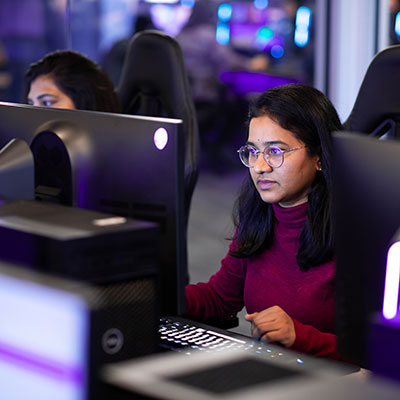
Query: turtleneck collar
[(291, 217)]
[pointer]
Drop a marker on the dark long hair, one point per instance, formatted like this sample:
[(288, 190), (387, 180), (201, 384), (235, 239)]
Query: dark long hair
[(79, 77), (311, 117)]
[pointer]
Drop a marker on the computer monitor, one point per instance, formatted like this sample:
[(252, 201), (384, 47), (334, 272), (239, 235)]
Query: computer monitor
[(44, 337), (114, 163), (367, 215)]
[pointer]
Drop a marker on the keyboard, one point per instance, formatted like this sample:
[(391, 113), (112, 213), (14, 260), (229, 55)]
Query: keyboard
[(187, 337)]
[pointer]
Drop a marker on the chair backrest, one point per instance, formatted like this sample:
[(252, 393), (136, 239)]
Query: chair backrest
[(377, 106), (154, 83)]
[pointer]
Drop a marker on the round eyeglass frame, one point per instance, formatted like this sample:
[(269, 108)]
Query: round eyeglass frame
[(266, 155)]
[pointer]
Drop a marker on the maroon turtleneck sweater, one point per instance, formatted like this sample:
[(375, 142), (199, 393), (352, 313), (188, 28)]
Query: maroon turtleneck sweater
[(274, 278)]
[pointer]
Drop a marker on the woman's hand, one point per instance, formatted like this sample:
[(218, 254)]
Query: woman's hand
[(272, 325)]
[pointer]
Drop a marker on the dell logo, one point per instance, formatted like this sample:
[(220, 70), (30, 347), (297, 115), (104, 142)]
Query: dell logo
[(112, 341)]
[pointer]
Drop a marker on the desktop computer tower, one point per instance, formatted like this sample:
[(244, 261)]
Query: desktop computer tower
[(115, 256)]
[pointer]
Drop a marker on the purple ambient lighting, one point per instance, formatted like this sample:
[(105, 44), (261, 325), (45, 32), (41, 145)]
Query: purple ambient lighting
[(392, 280), (160, 138), (243, 83)]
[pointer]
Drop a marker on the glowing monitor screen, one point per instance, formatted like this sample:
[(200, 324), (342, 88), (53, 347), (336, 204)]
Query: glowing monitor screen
[(43, 340)]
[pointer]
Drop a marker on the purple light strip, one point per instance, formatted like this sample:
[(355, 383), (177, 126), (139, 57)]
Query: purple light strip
[(392, 281), (44, 366)]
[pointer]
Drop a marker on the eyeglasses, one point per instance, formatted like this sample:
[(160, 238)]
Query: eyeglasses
[(272, 155)]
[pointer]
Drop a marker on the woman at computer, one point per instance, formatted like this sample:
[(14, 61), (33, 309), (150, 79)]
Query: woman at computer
[(280, 262), (68, 79)]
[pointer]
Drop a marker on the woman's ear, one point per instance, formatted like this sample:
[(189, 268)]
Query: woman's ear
[(319, 165)]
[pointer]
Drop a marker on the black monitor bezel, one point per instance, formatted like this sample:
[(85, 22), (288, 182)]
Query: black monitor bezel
[(367, 215)]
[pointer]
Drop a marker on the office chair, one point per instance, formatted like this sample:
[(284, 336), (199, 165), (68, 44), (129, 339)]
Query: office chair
[(154, 83), (376, 110)]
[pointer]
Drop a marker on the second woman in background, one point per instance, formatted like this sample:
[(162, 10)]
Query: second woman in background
[(68, 79)]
